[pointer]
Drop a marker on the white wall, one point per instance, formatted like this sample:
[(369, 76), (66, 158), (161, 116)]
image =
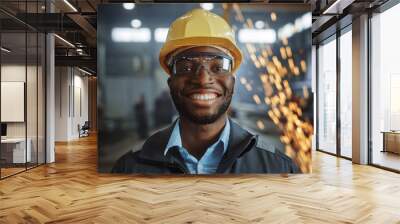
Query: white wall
[(70, 83), (12, 73), (79, 117), (61, 103)]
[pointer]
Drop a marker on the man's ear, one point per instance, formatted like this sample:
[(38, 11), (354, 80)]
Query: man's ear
[(169, 82), (234, 81)]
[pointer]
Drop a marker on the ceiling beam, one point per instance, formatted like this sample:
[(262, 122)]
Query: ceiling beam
[(84, 61), (86, 27), (337, 7)]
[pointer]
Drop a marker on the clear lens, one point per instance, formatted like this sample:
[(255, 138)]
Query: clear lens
[(215, 65)]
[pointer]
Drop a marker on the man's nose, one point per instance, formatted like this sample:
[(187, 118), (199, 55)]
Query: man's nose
[(203, 76)]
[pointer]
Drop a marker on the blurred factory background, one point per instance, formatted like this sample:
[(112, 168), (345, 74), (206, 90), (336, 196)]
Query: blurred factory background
[(134, 99), (78, 75)]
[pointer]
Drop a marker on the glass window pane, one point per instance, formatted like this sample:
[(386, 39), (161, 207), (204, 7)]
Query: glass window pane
[(22, 89), (385, 84), (327, 97), (13, 86), (346, 94)]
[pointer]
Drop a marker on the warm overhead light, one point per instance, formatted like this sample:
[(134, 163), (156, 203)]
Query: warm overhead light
[(128, 6), (122, 34), (207, 6), (64, 40), (5, 50), (273, 16), (160, 34), (84, 71), (136, 23), (257, 35), (259, 24), (70, 5)]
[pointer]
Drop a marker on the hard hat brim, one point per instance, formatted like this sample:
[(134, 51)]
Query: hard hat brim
[(172, 45)]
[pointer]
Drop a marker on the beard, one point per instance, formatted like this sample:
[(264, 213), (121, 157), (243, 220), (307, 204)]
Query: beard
[(204, 119)]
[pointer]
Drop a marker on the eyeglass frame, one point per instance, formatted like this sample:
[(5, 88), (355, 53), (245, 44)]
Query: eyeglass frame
[(174, 59)]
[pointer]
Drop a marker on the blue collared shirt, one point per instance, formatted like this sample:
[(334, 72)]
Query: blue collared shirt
[(209, 162)]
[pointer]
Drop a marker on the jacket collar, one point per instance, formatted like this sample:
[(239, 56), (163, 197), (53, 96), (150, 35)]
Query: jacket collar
[(239, 142), (175, 139)]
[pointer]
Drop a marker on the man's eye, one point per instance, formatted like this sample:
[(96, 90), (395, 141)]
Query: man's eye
[(184, 67), (218, 69), (187, 68)]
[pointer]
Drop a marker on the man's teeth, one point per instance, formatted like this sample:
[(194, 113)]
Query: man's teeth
[(203, 96)]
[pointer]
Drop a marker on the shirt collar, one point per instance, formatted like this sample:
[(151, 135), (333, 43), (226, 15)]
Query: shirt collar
[(176, 141)]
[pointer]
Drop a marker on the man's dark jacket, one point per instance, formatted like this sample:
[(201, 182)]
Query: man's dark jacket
[(246, 153)]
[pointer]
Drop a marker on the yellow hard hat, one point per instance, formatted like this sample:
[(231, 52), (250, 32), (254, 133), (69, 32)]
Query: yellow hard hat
[(200, 27)]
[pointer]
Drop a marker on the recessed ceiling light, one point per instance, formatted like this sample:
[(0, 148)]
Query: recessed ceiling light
[(136, 23), (259, 24), (129, 6), (207, 6)]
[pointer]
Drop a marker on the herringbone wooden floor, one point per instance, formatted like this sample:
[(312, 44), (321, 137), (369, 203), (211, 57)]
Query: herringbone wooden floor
[(71, 191)]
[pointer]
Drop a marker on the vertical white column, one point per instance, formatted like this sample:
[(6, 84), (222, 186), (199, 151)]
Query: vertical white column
[(50, 93), (360, 90)]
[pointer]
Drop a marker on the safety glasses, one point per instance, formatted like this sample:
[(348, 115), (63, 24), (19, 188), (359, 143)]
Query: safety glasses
[(190, 64)]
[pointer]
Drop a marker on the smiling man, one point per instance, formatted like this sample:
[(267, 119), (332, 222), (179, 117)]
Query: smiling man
[(200, 56)]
